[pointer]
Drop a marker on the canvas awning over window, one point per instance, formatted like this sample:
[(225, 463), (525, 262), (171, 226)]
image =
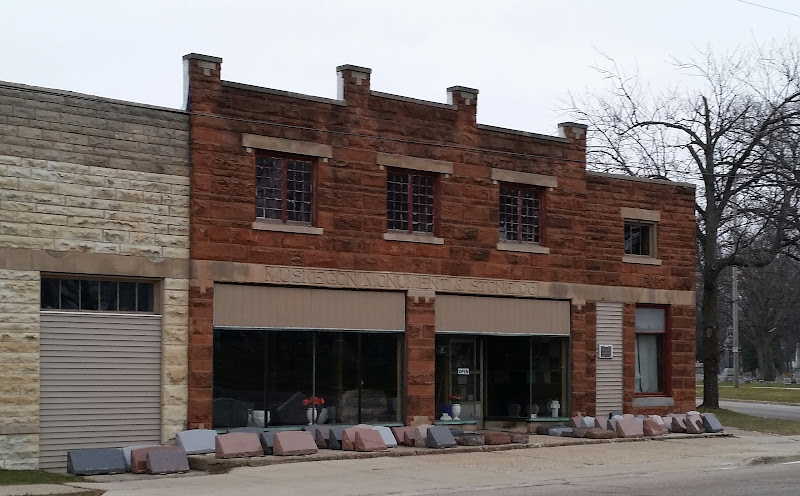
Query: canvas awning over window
[(478, 314), (272, 307)]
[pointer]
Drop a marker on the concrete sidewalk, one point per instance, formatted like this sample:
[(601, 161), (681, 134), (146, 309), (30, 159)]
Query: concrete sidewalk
[(468, 471)]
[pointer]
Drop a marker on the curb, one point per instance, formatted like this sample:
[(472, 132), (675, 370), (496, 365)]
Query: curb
[(213, 465)]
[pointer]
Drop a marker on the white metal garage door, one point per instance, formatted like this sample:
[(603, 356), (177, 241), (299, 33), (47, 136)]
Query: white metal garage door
[(100, 382)]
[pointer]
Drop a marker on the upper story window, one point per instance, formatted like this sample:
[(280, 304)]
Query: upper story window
[(640, 238), (520, 213), (410, 202), (640, 246), (94, 295), (284, 189)]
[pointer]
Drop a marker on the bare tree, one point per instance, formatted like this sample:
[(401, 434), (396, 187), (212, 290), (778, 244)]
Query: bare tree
[(769, 312), (727, 133)]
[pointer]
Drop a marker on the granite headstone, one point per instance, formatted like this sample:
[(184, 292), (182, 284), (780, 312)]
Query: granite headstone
[(96, 461), (197, 441)]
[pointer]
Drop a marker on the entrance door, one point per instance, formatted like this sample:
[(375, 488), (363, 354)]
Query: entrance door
[(508, 368), (458, 372)]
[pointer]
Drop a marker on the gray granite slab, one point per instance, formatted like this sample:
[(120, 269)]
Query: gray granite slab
[(267, 440), (197, 441), (96, 461), (335, 437), (387, 436), (440, 437), (711, 423)]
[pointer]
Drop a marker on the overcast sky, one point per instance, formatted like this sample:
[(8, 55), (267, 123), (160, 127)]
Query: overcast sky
[(523, 56)]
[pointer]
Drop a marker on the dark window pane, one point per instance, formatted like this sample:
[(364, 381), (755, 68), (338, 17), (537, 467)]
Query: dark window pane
[(89, 295), (509, 214), (519, 215), (397, 201), (269, 187), (288, 376), (422, 204), (380, 388), (50, 294), (70, 294), (337, 375), (108, 295), (127, 297), (144, 297), (637, 239), (298, 191), (239, 360)]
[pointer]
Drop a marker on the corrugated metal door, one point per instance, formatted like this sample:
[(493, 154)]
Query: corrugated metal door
[(609, 370), (100, 382)]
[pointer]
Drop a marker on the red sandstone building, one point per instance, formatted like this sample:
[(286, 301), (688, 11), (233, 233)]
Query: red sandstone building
[(384, 254)]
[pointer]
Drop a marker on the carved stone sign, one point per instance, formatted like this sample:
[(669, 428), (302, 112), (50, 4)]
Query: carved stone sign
[(398, 281)]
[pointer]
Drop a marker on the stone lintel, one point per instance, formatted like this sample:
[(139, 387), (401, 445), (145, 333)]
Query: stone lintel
[(415, 163), (287, 146), (640, 214), (108, 264), (509, 176)]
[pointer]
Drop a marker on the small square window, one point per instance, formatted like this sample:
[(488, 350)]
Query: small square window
[(520, 213), (410, 202), (284, 189), (640, 238)]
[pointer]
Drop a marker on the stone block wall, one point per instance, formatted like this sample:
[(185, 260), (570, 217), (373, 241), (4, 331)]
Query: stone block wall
[(19, 373), (88, 186)]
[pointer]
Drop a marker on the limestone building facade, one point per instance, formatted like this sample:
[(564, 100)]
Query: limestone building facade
[(94, 274)]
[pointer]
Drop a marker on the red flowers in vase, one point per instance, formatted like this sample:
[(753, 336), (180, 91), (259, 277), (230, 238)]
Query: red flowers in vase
[(455, 398), (314, 400)]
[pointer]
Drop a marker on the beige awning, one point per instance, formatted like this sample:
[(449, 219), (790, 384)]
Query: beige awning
[(478, 314), (273, 307)]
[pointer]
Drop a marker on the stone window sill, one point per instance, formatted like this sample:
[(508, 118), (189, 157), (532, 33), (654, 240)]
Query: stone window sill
[(523, 247), (653, 401), (640, 259), (265, 225), (413, 238)]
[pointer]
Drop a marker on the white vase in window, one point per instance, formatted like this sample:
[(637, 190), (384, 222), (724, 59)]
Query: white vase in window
[(456, 411), (311, 415)]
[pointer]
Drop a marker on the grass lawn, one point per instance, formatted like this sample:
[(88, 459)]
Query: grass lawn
[(755, 424), (757, 391), (15, 477)]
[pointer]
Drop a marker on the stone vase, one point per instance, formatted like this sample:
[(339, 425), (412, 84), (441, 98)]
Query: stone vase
[(311, 415), (456, 411)]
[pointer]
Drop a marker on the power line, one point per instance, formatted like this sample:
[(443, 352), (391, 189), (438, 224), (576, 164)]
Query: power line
[(769, 8)]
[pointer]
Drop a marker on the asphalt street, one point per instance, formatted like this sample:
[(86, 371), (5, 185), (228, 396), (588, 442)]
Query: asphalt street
[(767, 410), (772, 480)]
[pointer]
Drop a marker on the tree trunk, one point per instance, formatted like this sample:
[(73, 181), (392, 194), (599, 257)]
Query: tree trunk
[(710, 351)]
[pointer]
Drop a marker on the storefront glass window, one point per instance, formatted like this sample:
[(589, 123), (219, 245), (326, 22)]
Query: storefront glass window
[(273, 375)]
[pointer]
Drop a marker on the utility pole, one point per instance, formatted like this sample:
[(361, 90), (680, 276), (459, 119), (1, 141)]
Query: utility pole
[(735, 315)]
